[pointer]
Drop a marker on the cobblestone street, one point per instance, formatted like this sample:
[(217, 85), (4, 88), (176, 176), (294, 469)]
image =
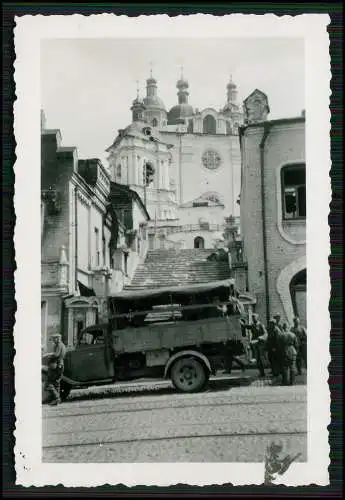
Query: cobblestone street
[(232, 424)]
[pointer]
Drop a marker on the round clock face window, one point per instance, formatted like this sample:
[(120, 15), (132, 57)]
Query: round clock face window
[(211, 160)]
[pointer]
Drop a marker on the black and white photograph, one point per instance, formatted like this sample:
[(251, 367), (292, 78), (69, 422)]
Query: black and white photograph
[(177, 263)]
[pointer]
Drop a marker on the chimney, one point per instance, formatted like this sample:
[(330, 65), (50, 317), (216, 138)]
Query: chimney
[(303, 113)]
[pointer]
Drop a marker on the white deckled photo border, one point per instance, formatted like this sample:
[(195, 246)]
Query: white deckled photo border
[(29, 32)]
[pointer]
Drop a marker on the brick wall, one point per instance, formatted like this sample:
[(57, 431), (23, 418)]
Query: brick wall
[(286, 248)]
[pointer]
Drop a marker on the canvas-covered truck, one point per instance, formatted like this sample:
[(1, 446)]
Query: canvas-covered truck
[(185, 333)]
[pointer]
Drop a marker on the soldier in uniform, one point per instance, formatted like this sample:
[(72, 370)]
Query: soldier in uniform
[(258, 342), (288, 346), (301, 335), (52, 384), (59, 352), (273, 332), (277, 319)]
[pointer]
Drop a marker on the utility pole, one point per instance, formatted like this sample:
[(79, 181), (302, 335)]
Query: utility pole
[(145, 184)]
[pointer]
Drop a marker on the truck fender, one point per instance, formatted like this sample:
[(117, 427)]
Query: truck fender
[(183, 354), (44, 369)]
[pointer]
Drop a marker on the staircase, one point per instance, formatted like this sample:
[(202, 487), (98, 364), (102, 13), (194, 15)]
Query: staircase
[(178, 267)]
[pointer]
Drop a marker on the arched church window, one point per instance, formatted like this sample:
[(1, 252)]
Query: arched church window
[(154, 122), (148, 173), (228, 128), (118, 173), (209, 125), (199, 242)]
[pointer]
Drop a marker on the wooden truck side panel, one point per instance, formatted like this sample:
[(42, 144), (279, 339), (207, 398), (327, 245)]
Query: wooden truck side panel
[(177, 334)]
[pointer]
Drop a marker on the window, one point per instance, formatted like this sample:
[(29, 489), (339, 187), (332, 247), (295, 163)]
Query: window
[(125, 261), (154, 122), (148, 173), (209, 125), (151, 241), (199, 242), (90, 338), (111, 259), (97, 246), (211, 159), (294, 192), (118, 173), (104, 255)]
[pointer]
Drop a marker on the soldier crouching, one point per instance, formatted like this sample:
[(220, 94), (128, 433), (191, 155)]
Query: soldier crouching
[(54, 374)]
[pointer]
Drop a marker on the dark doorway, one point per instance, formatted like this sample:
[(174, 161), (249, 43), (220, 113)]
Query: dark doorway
[(199, 242), (298, 291)]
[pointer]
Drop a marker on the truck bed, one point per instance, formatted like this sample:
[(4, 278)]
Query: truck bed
[(173, 334)]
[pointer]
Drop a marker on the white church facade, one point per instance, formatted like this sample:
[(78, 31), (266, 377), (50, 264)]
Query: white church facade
[(185, 165)]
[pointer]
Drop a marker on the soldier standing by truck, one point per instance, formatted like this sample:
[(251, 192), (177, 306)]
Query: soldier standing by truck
[(59, 352), (258, 342)]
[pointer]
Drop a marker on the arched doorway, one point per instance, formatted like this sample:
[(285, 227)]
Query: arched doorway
[(209, 125), (298, 291), (199, 242)]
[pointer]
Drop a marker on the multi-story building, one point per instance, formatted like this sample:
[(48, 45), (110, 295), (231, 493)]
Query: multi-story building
[(184, 163), (273, 209), (83, 239)]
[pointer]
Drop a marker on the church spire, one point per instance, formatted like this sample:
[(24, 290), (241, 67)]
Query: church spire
[(182, 86), (138, 106), (231, 91)]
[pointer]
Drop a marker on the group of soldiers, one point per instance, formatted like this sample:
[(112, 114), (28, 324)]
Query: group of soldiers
[(285, 348)]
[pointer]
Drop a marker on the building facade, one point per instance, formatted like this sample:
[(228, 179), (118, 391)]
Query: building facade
[(184, 163), (273, 210), (83, 240)]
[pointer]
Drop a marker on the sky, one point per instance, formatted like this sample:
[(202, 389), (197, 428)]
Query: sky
[(88, 85)]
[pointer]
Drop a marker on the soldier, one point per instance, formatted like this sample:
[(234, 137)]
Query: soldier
[(53, 378), (59, 351), (273, 332), (301, 335), (288, 345), (277, 319), (258, 342)]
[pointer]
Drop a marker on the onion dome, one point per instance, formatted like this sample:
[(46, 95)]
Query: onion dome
[(183, 109), (152, 100)]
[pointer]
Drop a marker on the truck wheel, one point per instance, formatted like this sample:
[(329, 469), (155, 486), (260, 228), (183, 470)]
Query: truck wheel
[(189, 375), (65, 390)]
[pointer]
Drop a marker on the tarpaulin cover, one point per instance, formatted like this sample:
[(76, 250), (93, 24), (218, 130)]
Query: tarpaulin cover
[(144, 299)]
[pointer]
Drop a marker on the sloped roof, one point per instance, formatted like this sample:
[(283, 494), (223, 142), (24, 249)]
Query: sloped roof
[(141, 130), (166, 268)]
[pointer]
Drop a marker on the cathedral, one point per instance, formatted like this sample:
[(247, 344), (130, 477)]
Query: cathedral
[(184, 163)]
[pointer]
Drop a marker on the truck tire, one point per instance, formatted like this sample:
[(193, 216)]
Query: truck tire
[(65, 390), (189, 374)]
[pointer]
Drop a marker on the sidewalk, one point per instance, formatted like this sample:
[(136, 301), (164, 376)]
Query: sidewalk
[(142, 387)]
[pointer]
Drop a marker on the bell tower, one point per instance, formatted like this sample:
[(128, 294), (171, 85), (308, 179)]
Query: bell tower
[(138, 108)]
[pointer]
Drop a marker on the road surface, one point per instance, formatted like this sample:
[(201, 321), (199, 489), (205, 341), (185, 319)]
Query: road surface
[(234, 424)]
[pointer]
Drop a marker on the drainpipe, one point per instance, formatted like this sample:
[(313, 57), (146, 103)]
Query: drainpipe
[(263, 215), (76, 238)]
